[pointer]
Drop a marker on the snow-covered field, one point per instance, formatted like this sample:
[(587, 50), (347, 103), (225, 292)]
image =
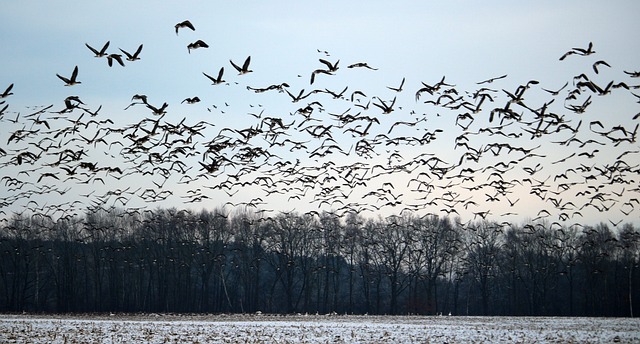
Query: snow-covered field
[(157, 328)]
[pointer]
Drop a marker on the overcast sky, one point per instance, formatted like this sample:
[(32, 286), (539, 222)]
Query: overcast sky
[(421, 41)]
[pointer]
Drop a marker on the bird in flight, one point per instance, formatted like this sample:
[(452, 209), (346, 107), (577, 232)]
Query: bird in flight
[(134, 56), (116, 57), (197, 44), (597, 63), (386, 109), (191, 100), (488, 81), (218, 80), (6, 92), (579, 51), (71, 81), (332, 67), (245, 67), (361, 65), (184, 24), (399, 89), (102, 52)]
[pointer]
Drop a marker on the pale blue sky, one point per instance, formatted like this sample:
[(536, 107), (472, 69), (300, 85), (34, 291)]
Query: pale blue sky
[(421, 41)]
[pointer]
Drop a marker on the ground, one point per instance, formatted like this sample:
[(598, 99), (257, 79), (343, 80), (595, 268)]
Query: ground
[(258, 328)]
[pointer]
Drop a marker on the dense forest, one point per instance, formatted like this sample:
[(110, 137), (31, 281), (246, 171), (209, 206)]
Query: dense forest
[(170, 260)]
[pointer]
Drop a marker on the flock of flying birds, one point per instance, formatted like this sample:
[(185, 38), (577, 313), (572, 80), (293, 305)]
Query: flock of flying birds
[(480, 154)]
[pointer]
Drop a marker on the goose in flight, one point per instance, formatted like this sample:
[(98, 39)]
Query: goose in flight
[(488, 81), (361, 65), (191, 100), (6, 92), (386, 109), (318, 71), (184, 24), (399, 89), (71, 81), (579, 51), (134, 56), (116, 57), (245, 67), (102, 52), (597, 63), (332, 67), (632, 74), (197, 44), (218, 80), (555, 93)]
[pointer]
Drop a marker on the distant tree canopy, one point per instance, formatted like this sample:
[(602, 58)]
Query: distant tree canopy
[(170, 260)]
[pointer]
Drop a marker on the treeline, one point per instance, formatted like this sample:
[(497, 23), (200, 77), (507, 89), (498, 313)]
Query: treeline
[(168, 260)]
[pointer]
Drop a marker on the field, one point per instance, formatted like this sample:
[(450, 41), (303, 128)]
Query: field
[(161, 328)]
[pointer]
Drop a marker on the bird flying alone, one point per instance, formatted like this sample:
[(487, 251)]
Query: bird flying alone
[(184, 24), (191, 100), (361, 65), (245, 67), (197, 44), (488, 81), (71, 81)]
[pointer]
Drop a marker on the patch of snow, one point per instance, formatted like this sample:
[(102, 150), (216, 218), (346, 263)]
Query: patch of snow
[(264, 328)]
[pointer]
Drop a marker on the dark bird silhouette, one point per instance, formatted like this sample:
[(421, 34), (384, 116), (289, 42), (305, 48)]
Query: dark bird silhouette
[(598, 63), (196, 45), (102, 52), (318, 71), (184, 24), (71, 81), (218, 80), (191, 100), (488, 81), (633, 74), (299, 97), (134, 56), (158, 111), (245, 67), (361, 65), (555, 93), (116, 57), (579, 51), (386, 109), (6, 92), (332, 67), (399, 89)]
